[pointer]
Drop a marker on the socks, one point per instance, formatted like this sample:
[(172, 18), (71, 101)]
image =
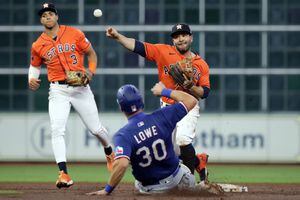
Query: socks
[(187, 155), (62, 167), (108, 150)]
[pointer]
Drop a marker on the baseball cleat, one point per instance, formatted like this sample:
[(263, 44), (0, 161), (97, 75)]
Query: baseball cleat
[(110, 159), (201, 168), (64, 180)]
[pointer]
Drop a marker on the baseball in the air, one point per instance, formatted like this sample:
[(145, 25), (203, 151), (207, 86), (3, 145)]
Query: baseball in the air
[(97, 13)]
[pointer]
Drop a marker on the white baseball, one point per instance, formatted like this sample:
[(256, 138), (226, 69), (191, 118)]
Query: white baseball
[(97, 13)]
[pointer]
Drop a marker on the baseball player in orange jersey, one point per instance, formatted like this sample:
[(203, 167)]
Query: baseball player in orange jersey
[(166, 55), (61, 49)]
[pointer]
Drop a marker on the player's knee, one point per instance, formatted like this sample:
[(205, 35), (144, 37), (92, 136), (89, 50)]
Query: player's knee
[(58, 128), (56, 133), (182, 140)]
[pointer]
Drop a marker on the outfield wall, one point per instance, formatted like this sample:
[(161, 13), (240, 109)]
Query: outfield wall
[(227, 137)]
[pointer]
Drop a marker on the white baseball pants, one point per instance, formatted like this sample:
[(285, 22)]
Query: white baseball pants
[(185, 130), (184, 179), (61, 98)]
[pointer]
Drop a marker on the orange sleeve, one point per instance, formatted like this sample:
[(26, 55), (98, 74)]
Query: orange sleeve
[(82, 43), (204, 76), (35, 59), (152, 51)]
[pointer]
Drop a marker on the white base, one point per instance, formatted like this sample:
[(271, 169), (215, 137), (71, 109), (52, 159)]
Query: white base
[(232, 188)]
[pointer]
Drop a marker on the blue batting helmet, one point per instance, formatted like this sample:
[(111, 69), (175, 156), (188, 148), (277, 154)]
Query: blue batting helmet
[(129, 99)]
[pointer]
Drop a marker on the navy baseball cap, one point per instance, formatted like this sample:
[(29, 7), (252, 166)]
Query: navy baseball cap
[(129, 99), (180, 28), (47, 7)]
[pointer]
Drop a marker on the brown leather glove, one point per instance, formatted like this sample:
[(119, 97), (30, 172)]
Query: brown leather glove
[(77, 78), (182, 73)]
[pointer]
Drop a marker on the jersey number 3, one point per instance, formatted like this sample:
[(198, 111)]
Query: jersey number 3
[(74, 59), (145, 151)]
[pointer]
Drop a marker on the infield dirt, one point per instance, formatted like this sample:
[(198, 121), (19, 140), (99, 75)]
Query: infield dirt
[(45, 191)]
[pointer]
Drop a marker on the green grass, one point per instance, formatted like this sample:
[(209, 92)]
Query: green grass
[(256, 173), (98, 173), (49, 173)]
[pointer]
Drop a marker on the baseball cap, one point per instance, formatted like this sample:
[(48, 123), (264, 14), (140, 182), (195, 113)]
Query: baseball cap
[(47, 7), (180, 28)]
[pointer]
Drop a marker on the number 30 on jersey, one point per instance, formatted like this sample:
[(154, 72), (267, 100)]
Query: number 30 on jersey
[(145, 151)]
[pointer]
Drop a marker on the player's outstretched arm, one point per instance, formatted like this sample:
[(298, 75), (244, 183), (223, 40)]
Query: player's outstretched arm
[(128, 43), (188, 100), (119, 168)]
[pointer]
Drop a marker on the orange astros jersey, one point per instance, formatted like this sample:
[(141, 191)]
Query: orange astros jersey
[(64, 53), (166, 55)]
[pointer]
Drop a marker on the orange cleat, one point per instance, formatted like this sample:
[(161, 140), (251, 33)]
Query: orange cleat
[(64, 180), (201, 168), (110, 159)]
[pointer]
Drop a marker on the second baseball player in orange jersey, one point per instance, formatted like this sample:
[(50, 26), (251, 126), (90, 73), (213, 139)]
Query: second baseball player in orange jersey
[(64, 53), (165, 56)]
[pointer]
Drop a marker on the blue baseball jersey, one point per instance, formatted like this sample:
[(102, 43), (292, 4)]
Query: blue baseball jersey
[(146, 140)]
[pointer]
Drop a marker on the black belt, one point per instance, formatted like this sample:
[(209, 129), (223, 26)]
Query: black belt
[(150, 182), (64, 82)]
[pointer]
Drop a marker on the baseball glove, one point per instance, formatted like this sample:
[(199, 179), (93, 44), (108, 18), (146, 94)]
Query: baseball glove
[(182, 73), (77, 78)]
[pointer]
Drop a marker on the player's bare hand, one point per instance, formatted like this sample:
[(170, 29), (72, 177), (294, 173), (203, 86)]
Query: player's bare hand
[(157, 88), (112, 33), (34, 84), (99, 193)]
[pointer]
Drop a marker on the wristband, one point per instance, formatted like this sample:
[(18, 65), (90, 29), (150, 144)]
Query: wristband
[(92, 67), (166, 92), (34, 72), (109, 188)]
